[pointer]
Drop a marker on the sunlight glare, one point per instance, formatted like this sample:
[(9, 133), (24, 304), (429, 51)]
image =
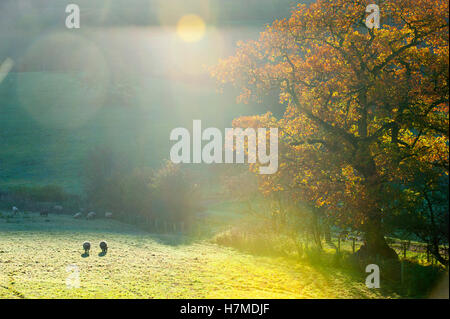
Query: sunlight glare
[(191, 28)]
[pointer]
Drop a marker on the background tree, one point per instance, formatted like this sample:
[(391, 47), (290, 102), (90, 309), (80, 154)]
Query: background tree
[(422, 212), (363, 106)]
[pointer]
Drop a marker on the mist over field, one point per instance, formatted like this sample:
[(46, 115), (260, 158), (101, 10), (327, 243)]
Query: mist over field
[(139, 81), (95, 202)]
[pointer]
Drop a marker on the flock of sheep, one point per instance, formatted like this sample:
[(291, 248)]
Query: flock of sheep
[(91, 215), (58, 209)]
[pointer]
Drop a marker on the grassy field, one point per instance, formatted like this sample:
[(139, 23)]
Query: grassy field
[(36, 251)]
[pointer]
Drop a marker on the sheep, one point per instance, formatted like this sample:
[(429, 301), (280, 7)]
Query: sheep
[(91, 215), (58, 209), (103, 246), (15, 210), (108, 215), (86, 247), (77, 215)]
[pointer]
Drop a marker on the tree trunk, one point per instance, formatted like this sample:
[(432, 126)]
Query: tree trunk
[(376, 245), (435, 241), (316, 231), (437, 254), (327, 232)]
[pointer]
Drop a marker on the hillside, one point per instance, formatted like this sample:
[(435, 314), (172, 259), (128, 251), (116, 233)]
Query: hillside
[(35, 253), (50, 121)]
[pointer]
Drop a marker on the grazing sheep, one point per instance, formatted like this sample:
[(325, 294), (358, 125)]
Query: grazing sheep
[(15, 210), (108, 215), (77, 215), (58, 209), (44, 213), (86, 247), (103, 246), (91, 215)]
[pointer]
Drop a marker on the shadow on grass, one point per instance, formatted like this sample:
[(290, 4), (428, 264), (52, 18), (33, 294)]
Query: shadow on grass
[(172, 239), (102, 253), (84, 255), (418, 280)]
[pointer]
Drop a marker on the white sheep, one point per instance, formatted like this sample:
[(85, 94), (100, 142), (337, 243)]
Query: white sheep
[(15, 210), (91, 215), (108, 215), (77, 215), (58, 208)]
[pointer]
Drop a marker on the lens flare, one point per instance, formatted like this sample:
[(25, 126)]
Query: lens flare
[(62, 88), (5, 67), (191, 28)]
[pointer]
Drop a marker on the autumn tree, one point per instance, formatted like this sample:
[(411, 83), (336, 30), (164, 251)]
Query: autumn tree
[(365, 108)]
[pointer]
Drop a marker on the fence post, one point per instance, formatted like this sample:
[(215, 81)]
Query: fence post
[(402, 271), (404, 250), (339, 244), (353, 244)]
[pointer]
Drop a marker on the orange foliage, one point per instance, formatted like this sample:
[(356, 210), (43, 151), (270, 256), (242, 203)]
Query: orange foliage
[(364, 107)]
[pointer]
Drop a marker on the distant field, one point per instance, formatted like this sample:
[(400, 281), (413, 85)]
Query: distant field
[(34, 255), (49, 121)]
